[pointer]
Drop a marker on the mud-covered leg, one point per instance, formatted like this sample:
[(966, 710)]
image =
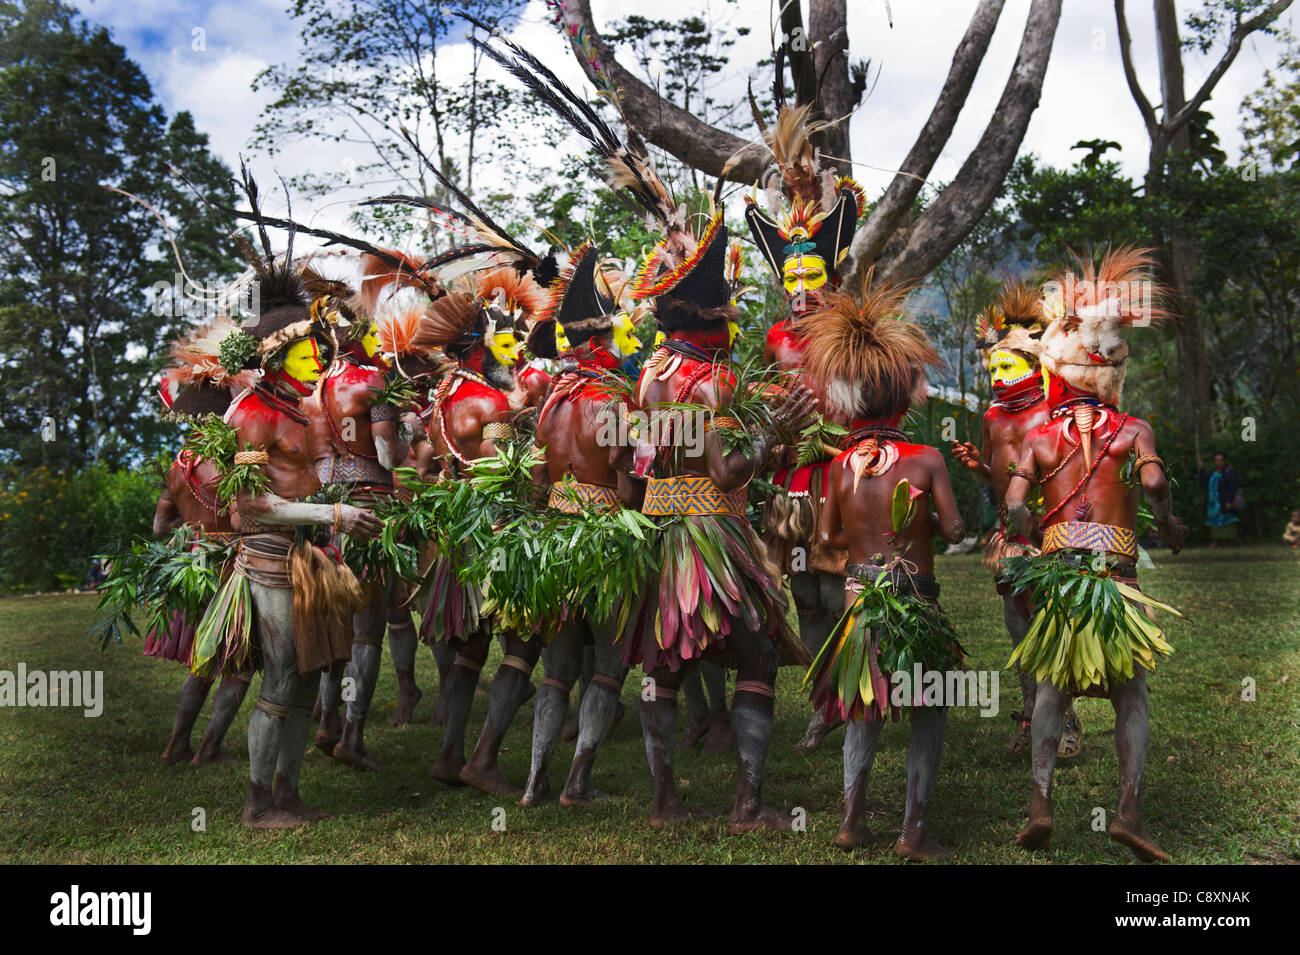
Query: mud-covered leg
[(1017, 625), (924, 753), (504, 700), (584, 680), (751, 718), (294, 746), (697, 709), (266, 727), (402, 642), (819, 601), (1132, 704), (860, 739), (1050, 705), (363, 669), (225, 704), (330, 730), (658, 727), (601, 711), (193, 692), (445, 659), (458, 695), (561, 664), (721, 736)]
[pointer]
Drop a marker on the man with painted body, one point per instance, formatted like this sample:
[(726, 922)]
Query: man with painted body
[(747, 629), (356, 442), (271, 428), (1010, 329), (1078, 458), (874, 364), (584, 468)]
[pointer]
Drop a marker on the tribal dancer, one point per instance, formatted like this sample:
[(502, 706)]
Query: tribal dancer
[(356, 441), (470, 414), (1009, 332), (881, 489), (723, 597), (686, 276), (190, 498), (584, 468), (804, 239), (286, 606), (1089, 635)]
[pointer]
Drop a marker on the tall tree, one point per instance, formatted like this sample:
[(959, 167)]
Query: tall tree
[(1171, 148), (906, 245), (80, 343), (366, 70)]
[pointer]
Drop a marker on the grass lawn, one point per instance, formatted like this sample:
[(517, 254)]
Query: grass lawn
[(1222, 785)]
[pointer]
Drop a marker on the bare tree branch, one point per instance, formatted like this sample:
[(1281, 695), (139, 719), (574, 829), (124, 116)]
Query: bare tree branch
[(951, 216), (669, 127), (894, 205), (1239, 34), (1130, 75)]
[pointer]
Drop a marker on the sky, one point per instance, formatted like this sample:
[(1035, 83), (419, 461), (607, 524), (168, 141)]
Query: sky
[(202, 56)]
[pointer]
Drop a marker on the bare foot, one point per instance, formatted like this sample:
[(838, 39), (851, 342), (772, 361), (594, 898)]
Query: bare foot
[(583, 797), (177, 753), (813, 736), (292, 803), (491, 781), (538, 794), (854, 835), (272, 818), (354, 756), (763, 818), (1036, 835), (677, 811), (447, 770), (330, 732), (406, 703), (921, 849), (217, 758), (1133, 834)]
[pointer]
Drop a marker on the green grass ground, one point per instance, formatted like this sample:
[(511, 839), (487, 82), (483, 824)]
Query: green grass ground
[(1223, 781)]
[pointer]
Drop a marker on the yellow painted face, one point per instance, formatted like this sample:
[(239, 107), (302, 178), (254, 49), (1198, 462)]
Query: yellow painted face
[(733, 332), (504, 347), (371, 340), (803, 273), (660, 338), (1008, 369), (561, 339), (302, 360), (624, 341)]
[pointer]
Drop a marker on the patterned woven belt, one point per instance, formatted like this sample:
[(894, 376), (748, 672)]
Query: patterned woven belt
[(574, 497), (220, 537), (1082, 535), (347, 468), (686, 494)]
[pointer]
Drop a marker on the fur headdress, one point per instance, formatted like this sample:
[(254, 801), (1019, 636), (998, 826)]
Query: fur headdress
[(870, 359), (1089, 309)]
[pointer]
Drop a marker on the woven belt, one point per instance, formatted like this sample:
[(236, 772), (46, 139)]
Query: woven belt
[(686, 494), (574, 497), (345, 467), (220, 537), (1082, 535), (264, 559)]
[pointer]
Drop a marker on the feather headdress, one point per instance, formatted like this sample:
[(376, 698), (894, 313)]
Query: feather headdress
[(196, 383), (454, 319), (869, 358)]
